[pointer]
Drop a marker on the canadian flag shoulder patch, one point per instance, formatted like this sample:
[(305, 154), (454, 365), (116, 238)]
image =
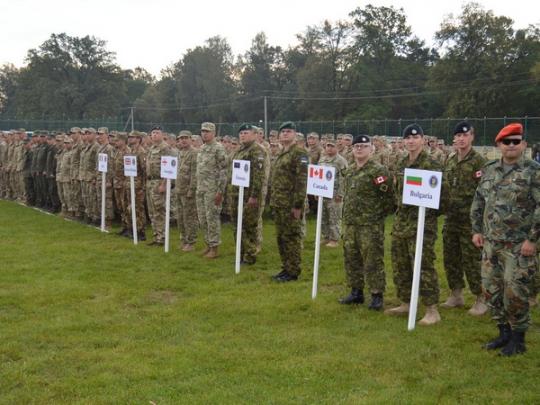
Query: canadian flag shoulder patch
[(380, 180), (478, 174)]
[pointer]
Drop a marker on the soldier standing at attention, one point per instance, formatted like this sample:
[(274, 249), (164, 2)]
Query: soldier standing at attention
[(156, 186), (119, 183), (76, 207), (462, 173), (368, 200), (106, 148), (289, 183), (211, 183), (185, 189), (254, 194), (136, 149), (315, 150), (505, 216), (404, 235), (331, 217)]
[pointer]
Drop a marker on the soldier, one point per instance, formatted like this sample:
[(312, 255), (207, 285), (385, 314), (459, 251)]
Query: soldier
[(88, 173), (505, 216), (76, 207), (196, 142), (20, 159), (347, 148), (41, 163), (300, 140), (211, 183), (185, 191), (61, 150), (135, 145), (404, 235), (64, 176), (368, 200), (156, 186), (289, 182), (119, 183), (315, 150), (462, 173), (105, 148), (254, 195), (3, 162), (331, 218), (27, 173)]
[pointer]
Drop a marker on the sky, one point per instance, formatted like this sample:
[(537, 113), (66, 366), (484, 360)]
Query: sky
[(156, 33)]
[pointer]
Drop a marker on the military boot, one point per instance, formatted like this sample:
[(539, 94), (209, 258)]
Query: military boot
[(212, 253), (403, 309), (505, 334), (141, 236), (355, 297), (516, 345), (431, 317), (377, 302), (455, 300), (479, 308), (205, 251)]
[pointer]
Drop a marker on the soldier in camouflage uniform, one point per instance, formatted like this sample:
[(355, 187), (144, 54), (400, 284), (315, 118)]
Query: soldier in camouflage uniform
[(75, 205), (61, 150), (39, 170), (347, 148), (404, 235), (27, 173), (105, 148), (135, 145), (505, 216), (211, 183), (156, 186), (185, 191), (253, 195), (289, 182), (119, 183), (368, 200), (64, 176), (331, 217), (461, 175)]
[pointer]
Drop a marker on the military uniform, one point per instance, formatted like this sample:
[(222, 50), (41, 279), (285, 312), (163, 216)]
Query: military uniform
[(108, 150), (140, 190), (331, 217), (119, 184), (76, 207)]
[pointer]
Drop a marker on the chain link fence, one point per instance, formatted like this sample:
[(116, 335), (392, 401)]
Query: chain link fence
[(443, 128)]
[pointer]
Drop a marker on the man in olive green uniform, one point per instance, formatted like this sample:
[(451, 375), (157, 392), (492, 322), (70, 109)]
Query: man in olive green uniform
[(404, 235), (135, 145), (119, 182), (251, 151), (40, 170), (88, 173), (27, 173), (368, 200), (61, 151), (64, 176), (462, 173), (505, 216), (76, 207), (347, 148), (289, 182), (185, 190), (105, 148), (211, 183)]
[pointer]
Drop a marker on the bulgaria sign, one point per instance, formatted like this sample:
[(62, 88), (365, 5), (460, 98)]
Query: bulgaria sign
[(422, 188)]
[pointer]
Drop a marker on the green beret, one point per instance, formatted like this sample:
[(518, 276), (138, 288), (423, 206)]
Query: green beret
[(246, 127), (287, 125)]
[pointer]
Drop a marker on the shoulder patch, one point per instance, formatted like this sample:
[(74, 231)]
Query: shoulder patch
[(380, 180), (478, 174), (304, 160)]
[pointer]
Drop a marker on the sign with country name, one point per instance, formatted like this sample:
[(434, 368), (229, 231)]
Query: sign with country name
[(422, 188), (169, 166), (240, 173), (130, 166), (321, 181), (102, 162)]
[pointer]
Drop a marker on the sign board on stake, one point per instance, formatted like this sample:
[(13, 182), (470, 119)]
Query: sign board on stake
[(102, 162), (169, 167), (240, 173), (321, 181), (130, 166)]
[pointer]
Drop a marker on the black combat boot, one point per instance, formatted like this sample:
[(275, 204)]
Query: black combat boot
[(123, 232), (505, 334), (516, 345), (278, 275), (141, 236), (377, 302), (355, 297)]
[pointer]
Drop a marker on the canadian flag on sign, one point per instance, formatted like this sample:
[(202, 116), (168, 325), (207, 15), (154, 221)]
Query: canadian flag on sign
[(315, 172)]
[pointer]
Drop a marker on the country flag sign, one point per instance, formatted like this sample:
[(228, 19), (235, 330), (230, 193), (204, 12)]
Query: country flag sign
[(413, 180), (316, 172)]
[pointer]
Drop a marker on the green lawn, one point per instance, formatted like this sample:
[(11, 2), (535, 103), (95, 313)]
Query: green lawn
[(89, 318)]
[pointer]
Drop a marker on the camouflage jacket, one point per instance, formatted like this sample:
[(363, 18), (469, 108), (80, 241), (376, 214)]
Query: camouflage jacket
[(50, 165), (186, 180), (315, 153), (75, 161), (153, 160), (340, 164), (406, 218), (117, 167), (369, 194), (59, 159), (506, 207), (64, 175), (28, 158), (256, 154), (460, 179), (41, 158), (140, 153), (212, 168), (289, 178)]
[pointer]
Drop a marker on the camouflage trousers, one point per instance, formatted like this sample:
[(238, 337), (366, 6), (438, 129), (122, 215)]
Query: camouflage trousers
[(363, 254), (289, 240), (88, 198), (507, 279), (536, 284), (460, 256), (186, 219), (140, 213), (121, 204), (76, 207), (109, 209), (30, 193), (250, 220), (62, 195), (403, 250), (156, 209), (209, 218), (21, 190), (53, 200), (39, 186), (331, 219)]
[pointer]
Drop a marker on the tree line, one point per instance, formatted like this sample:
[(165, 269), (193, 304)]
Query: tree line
[(367, 66)]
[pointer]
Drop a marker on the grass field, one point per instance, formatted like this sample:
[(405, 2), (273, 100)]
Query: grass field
[(88, 318)]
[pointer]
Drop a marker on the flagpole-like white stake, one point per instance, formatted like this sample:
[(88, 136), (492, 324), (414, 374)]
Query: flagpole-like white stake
[(417, 267), (103, 175), (133, 214), (239, 229), (317, 248), (167, 214)]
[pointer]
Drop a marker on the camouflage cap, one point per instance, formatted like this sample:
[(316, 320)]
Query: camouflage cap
[(21, 130), (313, 135), (122, 136), (103, 130), (195, 137), (75, 130), (234, 140), (184, 134), (59, 137), (68, 139), (300, 136), (348, 136), (208, 126), (339, 136), (90, 130)]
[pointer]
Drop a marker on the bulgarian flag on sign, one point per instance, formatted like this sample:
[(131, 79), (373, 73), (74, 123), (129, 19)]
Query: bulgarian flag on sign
[(413, 180)]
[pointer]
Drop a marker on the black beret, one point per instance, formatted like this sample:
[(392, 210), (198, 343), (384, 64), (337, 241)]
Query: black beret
[(462, 127), (157, 128), (287, 125), (361, 139), (413, 129), (246, 127)]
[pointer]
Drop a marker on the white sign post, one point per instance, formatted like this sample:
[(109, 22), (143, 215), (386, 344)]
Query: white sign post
[(102, 167), (169, 166), (423, 189), (240, 178), (130, 170), (320, 183)]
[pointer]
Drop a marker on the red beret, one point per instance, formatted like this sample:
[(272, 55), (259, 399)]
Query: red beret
[(511, 129)]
